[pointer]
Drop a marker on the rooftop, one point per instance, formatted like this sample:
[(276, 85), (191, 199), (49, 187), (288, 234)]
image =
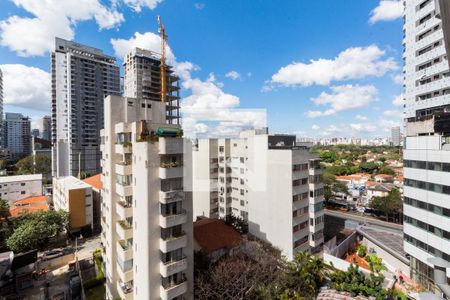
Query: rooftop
[(29, 205), (213, 234), (95, 181), (20, 178), (71, 182)]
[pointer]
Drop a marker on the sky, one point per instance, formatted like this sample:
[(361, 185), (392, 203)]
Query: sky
[(313, 68)]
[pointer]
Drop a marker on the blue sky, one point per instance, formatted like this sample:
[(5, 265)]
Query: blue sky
[(353, 94)]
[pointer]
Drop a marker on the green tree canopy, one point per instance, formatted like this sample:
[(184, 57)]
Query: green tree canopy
[(391, 204), (27, 165), (4, 209), (386, 170), (33, 230)]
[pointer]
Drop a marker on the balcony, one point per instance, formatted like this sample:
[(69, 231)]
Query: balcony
[(125, 290), (125, 275), (173, 290), (122, 127), (173, 220), (170, 172), (124, 148), (123, 168), (124, 230), (102, 148), (172, 267), (170, 145), (173, 243), (124, 210), (124, 250), (172, 196), (124, 190)]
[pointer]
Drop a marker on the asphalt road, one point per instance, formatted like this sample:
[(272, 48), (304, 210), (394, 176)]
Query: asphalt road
[(363, 219)]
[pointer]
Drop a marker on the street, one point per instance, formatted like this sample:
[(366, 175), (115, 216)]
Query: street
[(363, 219)]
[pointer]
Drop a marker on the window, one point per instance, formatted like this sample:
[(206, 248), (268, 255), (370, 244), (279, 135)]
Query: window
[(22, 192), (22, 184)]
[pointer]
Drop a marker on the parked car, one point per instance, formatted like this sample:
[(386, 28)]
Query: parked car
[(50, 254)]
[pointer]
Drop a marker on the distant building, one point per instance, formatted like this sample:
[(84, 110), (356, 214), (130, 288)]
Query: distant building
[(75, 197), (17, 135), (396, 136), (82, 77), (34, 132), (13, 188), (45, 129)]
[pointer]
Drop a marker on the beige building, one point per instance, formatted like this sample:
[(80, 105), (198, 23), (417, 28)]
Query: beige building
[(147, 206), (75, 197), (266, 180)]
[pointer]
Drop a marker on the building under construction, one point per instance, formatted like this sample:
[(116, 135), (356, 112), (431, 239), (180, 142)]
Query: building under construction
[(142, 80)]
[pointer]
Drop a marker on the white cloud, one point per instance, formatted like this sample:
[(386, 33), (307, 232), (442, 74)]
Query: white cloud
[(343, 97), (398, 100), (398, 79), (233, 75), (363, 128), (352, 63), (361, 118), (387, 10), (315, 127), (137, 5), (147, 40), (199, 6), (35, 36), (26, 87), (393, 113), (331, 130)]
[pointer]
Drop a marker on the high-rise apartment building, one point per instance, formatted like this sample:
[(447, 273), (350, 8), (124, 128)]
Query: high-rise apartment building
[(427, 143), (396, 136), (45, 128), (147, 198), (142, 81), (17, 134), (266, 180), (82, 77)]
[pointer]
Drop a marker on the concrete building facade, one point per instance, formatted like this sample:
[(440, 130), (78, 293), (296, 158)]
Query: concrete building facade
[(266, 180), (13, 188), (17, 135), (396, 136), (1, 109), (45, 128), (427, 144), (74, 196), (147, 203), (82, 77)]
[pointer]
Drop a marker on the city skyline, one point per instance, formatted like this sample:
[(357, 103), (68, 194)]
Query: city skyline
[(215, 75)]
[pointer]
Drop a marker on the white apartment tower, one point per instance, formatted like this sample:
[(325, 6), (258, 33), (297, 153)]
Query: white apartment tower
[(82, 77), (147, 202), (17, 134), (427, 142), (396, 136), (266, 180)]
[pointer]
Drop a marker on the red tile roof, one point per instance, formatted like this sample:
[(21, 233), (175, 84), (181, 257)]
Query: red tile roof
[(29, 205), (95, 181), (212, 235)]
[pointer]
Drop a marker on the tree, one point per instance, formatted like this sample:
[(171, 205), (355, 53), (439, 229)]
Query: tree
[(368, 167), (375, 263), (237, 277), (239, 224), (40, 164), (328, 156), (4, 209), (391, 204), (386, 170), (361, 250), (32, 231)]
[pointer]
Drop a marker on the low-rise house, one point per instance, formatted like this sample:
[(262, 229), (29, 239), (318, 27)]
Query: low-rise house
[(379, 190), (75, 197), (13, 188), (214, 238), (384, 178), (29, 205)]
